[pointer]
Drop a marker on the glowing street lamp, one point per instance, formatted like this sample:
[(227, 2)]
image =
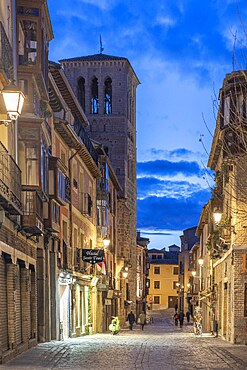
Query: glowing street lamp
[(13, 99), (193, 273), (106, 241), (217, 217), (200, 261)]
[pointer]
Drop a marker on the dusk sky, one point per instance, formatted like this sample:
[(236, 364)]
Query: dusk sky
[(180, 51)]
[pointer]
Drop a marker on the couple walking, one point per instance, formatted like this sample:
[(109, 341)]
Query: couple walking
[(141, 319)]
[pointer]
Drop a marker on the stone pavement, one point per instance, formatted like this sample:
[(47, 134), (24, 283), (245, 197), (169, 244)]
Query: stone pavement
[(159, 346)]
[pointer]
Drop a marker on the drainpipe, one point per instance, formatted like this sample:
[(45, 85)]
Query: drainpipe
[(14, 46)]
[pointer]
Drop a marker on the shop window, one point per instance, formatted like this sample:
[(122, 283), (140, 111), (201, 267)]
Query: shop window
[(108, 96), (156, 270), (27, 42), (95, 96), (156, 300), (156, 284), (175, 270)]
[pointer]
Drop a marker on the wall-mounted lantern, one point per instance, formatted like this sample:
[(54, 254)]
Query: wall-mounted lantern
[(13, 99)]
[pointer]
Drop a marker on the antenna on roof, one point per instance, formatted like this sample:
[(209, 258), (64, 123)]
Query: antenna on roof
[(101, 46)]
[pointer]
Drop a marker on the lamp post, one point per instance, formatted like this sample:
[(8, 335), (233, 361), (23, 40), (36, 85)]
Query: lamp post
[(200, 262), (13, 99)]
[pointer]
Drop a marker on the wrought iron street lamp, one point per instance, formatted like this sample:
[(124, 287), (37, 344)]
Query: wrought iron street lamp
[(13, 99)]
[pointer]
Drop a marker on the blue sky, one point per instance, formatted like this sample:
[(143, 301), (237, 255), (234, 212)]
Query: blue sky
[(181, 51)]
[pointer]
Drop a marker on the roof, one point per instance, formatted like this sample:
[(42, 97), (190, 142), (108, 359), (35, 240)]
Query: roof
[(94, 57), (99, 58), (164, 262), (155, 251)]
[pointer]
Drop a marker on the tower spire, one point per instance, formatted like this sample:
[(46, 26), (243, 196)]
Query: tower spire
[(101, 46)]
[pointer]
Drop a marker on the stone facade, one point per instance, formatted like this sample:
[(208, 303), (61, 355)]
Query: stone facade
[(116, 130)]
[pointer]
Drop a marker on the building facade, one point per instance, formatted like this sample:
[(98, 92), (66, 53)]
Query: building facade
[(163, 278), (106, 89), (223, 221)]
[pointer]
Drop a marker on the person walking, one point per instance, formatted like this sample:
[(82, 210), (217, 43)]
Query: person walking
[(175, 319), (181, 318), (142, 319), (131, 319), (188, 316)]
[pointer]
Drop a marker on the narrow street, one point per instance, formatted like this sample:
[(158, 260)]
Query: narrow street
[(159, 346)]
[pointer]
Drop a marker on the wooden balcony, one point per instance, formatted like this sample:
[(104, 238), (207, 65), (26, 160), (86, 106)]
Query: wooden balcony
[(59, 183), (10, 183), (52, 217), (32, 219)]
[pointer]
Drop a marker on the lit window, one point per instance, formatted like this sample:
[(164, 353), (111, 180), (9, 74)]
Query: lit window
[(108, 96), (156, 284), (95, 97)]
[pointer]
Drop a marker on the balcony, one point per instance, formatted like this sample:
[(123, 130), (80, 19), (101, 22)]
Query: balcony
[(32, 221), (59, 183), (6, 54), (10, 183), (51, 211)]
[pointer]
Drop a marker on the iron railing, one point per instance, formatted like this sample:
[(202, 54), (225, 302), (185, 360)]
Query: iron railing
[(10, 181)]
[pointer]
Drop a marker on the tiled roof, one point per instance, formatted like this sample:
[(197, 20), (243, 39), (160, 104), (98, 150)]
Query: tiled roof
[(94, 57), (154, 250)]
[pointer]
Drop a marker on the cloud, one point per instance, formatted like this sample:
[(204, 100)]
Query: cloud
[(164, 213), (165, 168), (151, 186)]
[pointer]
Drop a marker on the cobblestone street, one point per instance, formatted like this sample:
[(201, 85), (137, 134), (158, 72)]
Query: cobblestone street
[(159, 346)]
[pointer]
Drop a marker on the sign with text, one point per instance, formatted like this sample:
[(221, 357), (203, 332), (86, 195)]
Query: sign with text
[(92, 255)]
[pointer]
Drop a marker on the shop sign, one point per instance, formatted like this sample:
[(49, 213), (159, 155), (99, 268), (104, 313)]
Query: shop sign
[(107, 302), (65, 281), (92, 255)]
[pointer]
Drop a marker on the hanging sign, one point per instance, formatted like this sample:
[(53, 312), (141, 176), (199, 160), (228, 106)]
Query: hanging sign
[(92, 255)]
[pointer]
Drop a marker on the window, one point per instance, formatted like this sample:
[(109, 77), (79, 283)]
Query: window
[(27, 42), (81, 92), (95, 97), (32, 169), (55, 209), (156, 284), (159, 257), (175, 285), (156, 270), (175, 270), (156, 299), (153, 256), (227, 111), (108, 96)]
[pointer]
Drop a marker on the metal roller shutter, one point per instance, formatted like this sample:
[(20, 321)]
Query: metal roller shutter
[(18, 306), (4, 305)]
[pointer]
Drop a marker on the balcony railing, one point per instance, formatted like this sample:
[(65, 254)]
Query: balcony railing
[(10, 183), (32, 219), (82, 134), (6, 53)]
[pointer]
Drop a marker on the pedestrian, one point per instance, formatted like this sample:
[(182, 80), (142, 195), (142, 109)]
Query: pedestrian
[(131, 319), (175, 319), (188, 316), (142, 319), (181, 318), (176, 307)]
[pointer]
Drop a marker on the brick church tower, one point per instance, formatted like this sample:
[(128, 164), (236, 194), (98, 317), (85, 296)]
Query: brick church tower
[(106, 89)]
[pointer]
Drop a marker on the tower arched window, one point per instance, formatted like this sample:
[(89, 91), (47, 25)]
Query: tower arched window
[(81, 92), (108, 96), (95, 96)]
